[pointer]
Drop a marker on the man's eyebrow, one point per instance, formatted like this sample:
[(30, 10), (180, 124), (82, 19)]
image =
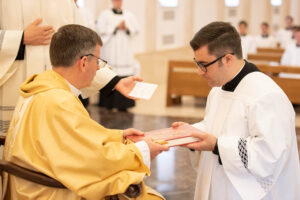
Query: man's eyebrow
[(201, 62)]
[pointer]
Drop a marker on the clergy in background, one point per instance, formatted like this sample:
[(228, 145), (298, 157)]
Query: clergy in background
[(248, 42), (247, 137), (118, 28), (291, 55), (265, 40), (284, 35), (26, 27), (52, 133)]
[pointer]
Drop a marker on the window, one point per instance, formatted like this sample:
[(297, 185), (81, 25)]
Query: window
[(232, 3), (276, 2), (168, 3)]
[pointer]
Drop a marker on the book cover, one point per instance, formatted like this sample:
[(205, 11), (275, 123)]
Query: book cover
[(169, 136)]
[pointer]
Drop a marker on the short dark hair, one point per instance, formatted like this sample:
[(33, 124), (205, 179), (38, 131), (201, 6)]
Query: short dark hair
[(220, 37), (265, 24), (71, 42), (243, 22), (297, 28)]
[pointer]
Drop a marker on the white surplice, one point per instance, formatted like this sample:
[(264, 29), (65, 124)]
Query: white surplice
[(255, 126), (117, 44), (248, 45), (291, 55), (284, 37), (15, 16), (266, 42)]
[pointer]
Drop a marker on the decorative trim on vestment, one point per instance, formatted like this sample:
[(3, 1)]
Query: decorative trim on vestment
[(264, 183), (4, 124), (242, 146), (243, 151)]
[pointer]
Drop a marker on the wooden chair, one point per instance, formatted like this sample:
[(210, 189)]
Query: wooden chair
[(291, 86), (269, 57), (133, 191), (261, 50), (184, 80)]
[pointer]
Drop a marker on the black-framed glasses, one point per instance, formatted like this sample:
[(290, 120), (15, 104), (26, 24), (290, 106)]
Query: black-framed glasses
[(204, 67), (100, 62)]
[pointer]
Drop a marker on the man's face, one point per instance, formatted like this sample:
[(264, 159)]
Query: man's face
[(297, 37), (117, 4), (92, 66), (288, 22), (242, 29), (216, 72), (264, 29)]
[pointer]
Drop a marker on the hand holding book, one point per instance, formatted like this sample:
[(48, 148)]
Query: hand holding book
[(173, 136)]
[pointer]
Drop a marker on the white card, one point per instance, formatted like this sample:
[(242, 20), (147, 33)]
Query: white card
[(143, 90)]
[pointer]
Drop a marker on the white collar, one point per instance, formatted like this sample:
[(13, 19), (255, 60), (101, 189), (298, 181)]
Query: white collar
[(74, 90)]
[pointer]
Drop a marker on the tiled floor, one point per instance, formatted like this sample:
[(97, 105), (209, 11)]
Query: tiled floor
[(171, 172)]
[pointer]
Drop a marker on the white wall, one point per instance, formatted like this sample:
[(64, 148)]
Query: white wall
[(138, 7), (191, 15), (204, 13), (170, 26)]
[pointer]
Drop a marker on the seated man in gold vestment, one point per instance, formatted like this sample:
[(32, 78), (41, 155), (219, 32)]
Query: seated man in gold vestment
[(52, 133)]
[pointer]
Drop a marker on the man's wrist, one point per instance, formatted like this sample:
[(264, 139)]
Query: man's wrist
[(216, 148)]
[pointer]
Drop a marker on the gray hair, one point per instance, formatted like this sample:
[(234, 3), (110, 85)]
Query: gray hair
[(71, 42)]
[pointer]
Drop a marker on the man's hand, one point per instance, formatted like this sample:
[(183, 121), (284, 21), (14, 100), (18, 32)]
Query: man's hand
[(155, 148), (125, 85), (132, 131), (37, 35), (207, 142), (122, 26), (177, 124)]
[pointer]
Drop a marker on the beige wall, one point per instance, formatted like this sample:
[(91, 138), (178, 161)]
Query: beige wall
[(191, 15)]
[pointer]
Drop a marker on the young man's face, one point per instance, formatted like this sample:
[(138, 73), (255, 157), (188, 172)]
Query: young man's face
[(243, 29), (297, 37), (216, 72), (264, 29), (288, 22), (117, 4)]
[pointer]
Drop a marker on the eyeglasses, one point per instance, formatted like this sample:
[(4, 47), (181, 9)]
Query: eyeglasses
[(204, 67), (100, 62)]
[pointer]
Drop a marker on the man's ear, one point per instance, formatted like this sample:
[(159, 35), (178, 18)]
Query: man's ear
[(82, 63), (229, 59)]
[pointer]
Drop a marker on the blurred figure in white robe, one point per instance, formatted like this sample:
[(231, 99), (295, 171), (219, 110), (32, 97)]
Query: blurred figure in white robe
[(265, 40), (248, 42), (284, 36), (118, 28), (291, 55)]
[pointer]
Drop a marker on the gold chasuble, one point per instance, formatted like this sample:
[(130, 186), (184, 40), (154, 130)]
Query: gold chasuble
[(51, 132)]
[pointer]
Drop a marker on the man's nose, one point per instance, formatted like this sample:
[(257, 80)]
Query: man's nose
[(200, 71)]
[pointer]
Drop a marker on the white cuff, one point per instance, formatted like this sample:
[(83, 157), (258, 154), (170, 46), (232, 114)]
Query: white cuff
[(103, 76), (199, 125), (145, 151)]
